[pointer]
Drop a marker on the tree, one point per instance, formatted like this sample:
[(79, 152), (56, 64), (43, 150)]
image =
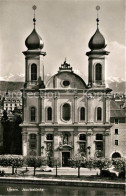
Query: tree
[(100, 163), (35, 161), (119, 164), (77, 161), (16, 146), (7, 134), (11, 160), (12, 138)]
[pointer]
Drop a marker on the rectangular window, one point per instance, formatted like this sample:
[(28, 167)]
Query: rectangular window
[(116, 142), (33, 141), (99, 146), (33, 145), (49, 137), (33, 136), (116, 121), (116, 131)]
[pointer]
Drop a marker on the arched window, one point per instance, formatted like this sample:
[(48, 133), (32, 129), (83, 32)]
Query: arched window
[(99, 136), (82, 137), (33, 72), (32, 114), (49, 113), (66, 112), (98, 72), (99, 113), (82, 113)]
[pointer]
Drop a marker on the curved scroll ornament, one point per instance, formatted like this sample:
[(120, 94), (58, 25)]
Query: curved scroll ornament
[(107, 134), (89, 133)]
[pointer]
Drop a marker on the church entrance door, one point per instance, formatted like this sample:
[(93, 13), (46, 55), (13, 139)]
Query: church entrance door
[(65, 159)]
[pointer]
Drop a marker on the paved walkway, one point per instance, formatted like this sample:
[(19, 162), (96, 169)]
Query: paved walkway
[(49, 178), (61, 171)]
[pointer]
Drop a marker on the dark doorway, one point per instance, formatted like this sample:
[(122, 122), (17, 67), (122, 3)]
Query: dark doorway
[(65, 159), (116, 155)]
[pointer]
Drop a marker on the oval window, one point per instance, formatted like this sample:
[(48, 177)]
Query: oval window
[(66, 83)]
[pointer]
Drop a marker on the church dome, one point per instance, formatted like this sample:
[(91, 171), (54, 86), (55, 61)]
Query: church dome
[(34, 41), (97, 41)]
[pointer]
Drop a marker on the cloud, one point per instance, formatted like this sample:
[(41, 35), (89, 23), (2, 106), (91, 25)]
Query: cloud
[(115, 79), (116, 61), (13, 77)]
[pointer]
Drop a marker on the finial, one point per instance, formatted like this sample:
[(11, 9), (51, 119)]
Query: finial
[(65, 60), (34, 20), (97, 8)]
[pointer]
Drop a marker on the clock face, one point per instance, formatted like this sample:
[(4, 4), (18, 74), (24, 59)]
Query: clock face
[(66, 83)]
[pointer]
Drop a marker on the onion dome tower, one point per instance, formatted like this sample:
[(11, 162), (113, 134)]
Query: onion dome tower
[(34, 44), (96, 57)]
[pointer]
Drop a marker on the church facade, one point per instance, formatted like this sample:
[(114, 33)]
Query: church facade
[(66, 116)]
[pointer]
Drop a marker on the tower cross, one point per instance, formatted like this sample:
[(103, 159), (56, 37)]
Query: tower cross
[(97, 8), (34, 20)]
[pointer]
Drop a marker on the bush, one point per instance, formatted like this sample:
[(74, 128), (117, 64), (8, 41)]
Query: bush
[(119, 164), (35, 161), (77, 161), (11, 160), (113, 175), (99, 163), (105, 173), (122, 175)]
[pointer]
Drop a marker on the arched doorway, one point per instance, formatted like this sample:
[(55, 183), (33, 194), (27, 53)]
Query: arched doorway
[(116, 155)]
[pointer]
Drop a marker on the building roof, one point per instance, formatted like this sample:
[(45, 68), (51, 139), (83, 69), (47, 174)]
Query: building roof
[(34, 41), (66, 79), (117, 108), (118, 113), (97, 41)]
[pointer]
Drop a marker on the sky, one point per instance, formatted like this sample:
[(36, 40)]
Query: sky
[(66, 27)]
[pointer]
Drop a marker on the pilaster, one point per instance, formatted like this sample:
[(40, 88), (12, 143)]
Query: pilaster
[(104, 110), (39, 143), (42, 110), (75, 113), (75, 138), (24, 142), (86, 111), (107, 143), (90, 144), (56, 143), (55, 110), (43, 144)]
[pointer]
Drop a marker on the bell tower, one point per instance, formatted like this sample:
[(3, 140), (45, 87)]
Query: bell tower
[(33, 67), (96, 58)]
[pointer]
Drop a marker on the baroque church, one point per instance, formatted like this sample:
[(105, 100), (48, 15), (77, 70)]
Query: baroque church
[(66, 116)]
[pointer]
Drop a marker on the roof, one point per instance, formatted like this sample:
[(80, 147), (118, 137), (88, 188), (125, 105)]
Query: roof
[(66, 79), (117, 108), (118, 113), (34, 41), (97, 41)]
